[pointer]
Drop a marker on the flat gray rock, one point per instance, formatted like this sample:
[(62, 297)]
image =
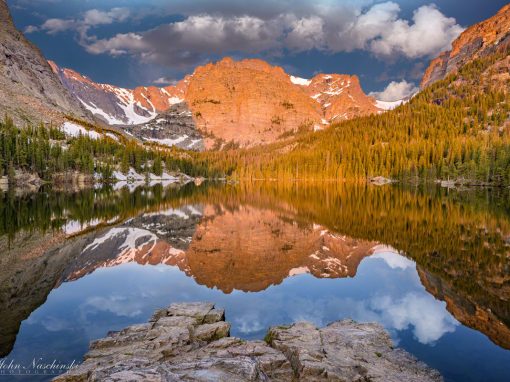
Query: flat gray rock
[(191, 342)]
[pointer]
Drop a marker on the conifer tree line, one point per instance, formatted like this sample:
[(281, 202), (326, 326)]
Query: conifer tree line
[(459, 128), (46, 151), (51, 210)]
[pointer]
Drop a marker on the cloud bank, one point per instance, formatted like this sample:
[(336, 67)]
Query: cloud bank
[(328, 28), (91, 18)]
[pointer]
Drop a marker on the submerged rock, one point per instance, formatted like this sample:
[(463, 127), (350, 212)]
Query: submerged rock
[(191, 342), (380, 181)]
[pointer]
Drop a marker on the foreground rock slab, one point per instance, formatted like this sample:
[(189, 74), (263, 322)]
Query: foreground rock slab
[(191, 342)]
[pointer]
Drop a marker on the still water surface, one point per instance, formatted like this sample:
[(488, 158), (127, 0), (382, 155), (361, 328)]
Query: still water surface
[(432, 266)]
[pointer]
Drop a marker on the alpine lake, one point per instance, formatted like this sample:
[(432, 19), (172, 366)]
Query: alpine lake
[(432, 265)]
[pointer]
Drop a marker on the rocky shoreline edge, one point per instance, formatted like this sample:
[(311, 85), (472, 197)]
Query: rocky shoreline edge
[(191, 342)]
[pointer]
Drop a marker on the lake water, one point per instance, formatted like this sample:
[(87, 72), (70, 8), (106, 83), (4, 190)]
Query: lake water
[(431, 265)]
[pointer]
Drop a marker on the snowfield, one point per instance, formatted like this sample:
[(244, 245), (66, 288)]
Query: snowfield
[(97, 111), (75, 130)]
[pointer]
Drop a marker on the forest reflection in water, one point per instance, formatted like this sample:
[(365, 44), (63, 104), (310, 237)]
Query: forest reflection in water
[(253, 237)]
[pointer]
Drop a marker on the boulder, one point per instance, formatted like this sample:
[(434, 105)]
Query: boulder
[(190, 342), (380, 181)]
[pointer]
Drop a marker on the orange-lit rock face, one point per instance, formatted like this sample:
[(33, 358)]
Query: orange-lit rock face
[(248, 102), (474, 42), (490, 30), (159, 99), (436, 69), (251, 249), (340, 97)]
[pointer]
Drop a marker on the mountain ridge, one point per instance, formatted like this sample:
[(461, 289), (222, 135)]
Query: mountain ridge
[(246, 102)]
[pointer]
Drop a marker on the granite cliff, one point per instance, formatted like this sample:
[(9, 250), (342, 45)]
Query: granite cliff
[(480, 40), (29, 90)]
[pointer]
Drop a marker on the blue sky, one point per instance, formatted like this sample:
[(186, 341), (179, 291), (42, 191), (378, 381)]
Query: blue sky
[(153, 42)]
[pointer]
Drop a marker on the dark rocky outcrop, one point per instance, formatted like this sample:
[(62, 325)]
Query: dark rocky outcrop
[(190, 342), (380, 181), (29, 90), (174, 127)]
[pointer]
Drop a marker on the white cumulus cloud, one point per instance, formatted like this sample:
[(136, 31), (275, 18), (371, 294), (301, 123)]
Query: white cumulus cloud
[(90, 18), (430, 33), (396, 91), (428, 317), (393, 259), (31, 29), (54, 26), (97, 17)]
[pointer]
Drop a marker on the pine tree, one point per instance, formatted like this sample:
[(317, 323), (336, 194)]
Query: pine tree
[(11, 174), (157, 166)]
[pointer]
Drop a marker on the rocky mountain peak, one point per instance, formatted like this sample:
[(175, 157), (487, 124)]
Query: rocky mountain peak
[(248, 102), (340, 96), (476, 41), (29, 89), (229, 64), (489, 31), (72, 74), (240, 103)]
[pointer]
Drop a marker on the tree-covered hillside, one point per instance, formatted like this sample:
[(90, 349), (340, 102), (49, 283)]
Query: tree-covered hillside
[(457, 128), (48, 150)]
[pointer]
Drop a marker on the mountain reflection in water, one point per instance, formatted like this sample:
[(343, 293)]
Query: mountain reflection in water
[(425, 263), (247, 248)]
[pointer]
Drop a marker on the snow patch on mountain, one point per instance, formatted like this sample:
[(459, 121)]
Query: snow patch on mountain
[(300, 81), (298, 271), (74, 130), (174, 100), (136, 241), (174, 142), (111, 120), (133, 176), (127, 104)]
